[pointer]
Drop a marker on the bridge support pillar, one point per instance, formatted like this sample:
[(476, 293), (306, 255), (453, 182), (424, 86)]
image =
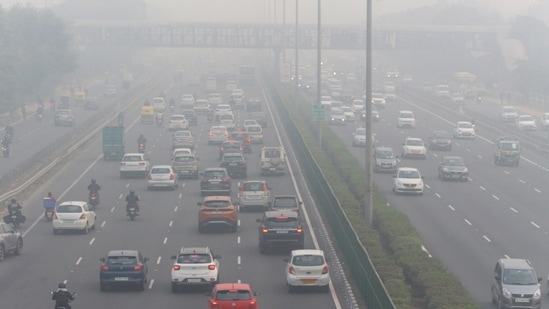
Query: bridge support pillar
[(277, 50)]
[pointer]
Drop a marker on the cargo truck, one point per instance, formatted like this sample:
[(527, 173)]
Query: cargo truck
[(113, 143), (506, 151)]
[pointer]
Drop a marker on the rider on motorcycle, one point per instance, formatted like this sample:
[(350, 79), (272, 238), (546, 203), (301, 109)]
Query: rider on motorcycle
[(49, 202), (62, 297), (15, 206), (141, 139), (172, 103), (93, 187), (132, 200)]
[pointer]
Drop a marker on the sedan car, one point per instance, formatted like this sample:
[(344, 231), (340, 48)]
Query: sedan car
[(408, 180), (452, 167), (183, 139), (464, 129), (73, 215), (11, 241), (232, 296), (307, 268), (195, 266), (162, 176), (123, 268), (337, 116), (414, 147), (526, 123), (218, 135), (440, 140), (178, 122)]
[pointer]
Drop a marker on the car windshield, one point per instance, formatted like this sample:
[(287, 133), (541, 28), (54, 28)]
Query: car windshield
[(465, 125), (408, 174), (453, 161), (254, 129), (132, 158), (285, 202), (194, 258), (360, 132), (441, 135), (510, 146), (160, 170), (308, 260), (69, 209), (272, 154), (519, 277), (281, 223), (184, 159), (526, 118), (248, 122), (122, 260), (216, 203), (414, 142), (214, 174), (406, 115), (385, 154), (253, 186), (233, 295)]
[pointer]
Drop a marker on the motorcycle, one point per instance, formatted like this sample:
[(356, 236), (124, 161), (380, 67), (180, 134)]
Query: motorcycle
[(15, 218), (132, 212), (62, 307), (49, 208), (94, 199), (141, 147), (5, 151)]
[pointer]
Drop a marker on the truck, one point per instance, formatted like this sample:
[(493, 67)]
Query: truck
[(506, 151), (114, 146)]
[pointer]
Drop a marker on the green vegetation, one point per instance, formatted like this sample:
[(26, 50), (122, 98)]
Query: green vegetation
[(413, 279)]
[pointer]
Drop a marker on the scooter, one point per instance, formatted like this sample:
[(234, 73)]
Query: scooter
[(132, 213), (49, 214), (94, 199), (141, 147)]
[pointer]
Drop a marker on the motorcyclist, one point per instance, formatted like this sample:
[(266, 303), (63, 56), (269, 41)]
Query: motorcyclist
[(62, 297), (141, 139), (132, 200), (49, 201), (172, 103), (159, 118), (15, 206), (93, 187)]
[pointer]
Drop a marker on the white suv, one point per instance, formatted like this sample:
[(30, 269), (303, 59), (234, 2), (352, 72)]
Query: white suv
[(134, 163), (406, 119), (508, 113), (196, 266), (178, 122)]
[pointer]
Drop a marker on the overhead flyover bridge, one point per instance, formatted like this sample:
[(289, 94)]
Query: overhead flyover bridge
[(277, 37)]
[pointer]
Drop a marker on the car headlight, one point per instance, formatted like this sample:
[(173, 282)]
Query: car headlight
[(333, 119), (466, 170), (445, 169), (537, 294), (506, 293), (420, 185)]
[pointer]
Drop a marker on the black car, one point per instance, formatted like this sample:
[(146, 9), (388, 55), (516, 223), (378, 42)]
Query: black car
[(260, 117), (440, 140), (191, 117), (253, 105), (235, 164), (453, 168), (215, 180), (230, 146), (280, 229), (126, 268)]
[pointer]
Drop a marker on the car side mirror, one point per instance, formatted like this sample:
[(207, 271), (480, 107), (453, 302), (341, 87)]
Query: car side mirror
[(173, 257), (257, 293), (422, 177), (146, 259), (102, 259), (497, 277)]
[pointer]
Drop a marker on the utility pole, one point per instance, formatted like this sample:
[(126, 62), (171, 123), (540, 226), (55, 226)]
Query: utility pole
[(368, 197)]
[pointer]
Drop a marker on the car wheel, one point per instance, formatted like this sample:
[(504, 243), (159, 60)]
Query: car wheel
[(19, 247), (174, 288), (86, 228), (102, 287), (291, 289), (262, 249), (2, 253)]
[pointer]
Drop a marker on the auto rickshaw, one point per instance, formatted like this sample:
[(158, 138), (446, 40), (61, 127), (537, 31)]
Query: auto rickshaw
[(147, 115)]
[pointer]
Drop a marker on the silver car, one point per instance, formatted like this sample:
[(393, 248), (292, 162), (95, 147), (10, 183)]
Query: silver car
[(254, 194), (183, 139), (162, 176)]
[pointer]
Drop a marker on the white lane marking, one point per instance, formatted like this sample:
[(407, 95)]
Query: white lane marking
[(171, 223), (513, 210), (120, 196), (534, 224), (79, 260), (112, 209), (175, 209), (165, 240), (103, 224), (151, 284), (183, 185), (479, 156), (451, 207), (522, 181), (537, 190), (468, 222), (238, 260), (506, 172), (468, 150), (482, 188), (425, 250), (158, 260), (437, 195), (91, 241), (238, 222), (497, 198), (487, 239), (128, 185), (427, 186), (238, 240), (180, 195), (238, 281)]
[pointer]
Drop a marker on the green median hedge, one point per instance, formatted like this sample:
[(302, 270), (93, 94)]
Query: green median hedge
[(412, 278)]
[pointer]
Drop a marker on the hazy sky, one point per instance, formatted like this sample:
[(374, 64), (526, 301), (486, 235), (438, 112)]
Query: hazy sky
[(256, 11)]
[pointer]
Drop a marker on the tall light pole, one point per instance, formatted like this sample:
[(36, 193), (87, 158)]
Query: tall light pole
[(319, 69), (284, 31), (368, 197), (296, 62)]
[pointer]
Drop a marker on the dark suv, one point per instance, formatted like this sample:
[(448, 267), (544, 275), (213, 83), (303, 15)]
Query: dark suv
[(215, 180), (11, 241), (280, 229), (123, 268), (230, 146), (516, 285), (235, 164)]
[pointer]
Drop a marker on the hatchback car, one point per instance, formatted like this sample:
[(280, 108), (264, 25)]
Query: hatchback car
[(230, 146), (218, 135), (162, 176), (123, 268), (195, 266), (256, 133), (414, 147), (227, 120), (406, 119), (307, 268), (452, 167), (73, 215), (254, 194), (280, 230), (215, 180), (183, 139), (440, 140), (384, 160), (337, 116), (464, 129), (515, 284), (134, 164), (222, 109), (217, 211), (285, 203), (201, 106), (232, 296), (408, 180), (178, 122)]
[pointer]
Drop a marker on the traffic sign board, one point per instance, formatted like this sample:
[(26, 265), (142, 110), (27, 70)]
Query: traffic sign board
[(319, 112)]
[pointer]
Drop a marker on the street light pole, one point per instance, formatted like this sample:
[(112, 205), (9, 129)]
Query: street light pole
[(283, 31), (319, 69), (296, 48), (368, 197)]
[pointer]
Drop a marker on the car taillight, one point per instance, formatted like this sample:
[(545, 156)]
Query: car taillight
[(265, 230), (291, 270), (204, 180), (104, 268), (55, 216), (138, 267), (172, 176), (211, 267), (141, 145), (226, 179), (210, 133), (226, 133), (252, 305), (265, 190), (241, 149), (93, 195), (82, 217), (325, 270), (141, 163), (222, 149), (176, 267), (241, 188), (149, 177)]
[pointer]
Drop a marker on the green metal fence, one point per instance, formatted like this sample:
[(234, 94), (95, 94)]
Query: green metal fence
[(357, 260)]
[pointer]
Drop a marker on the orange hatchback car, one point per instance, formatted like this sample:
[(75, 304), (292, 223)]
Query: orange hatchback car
[(217, 211), (232, 296)]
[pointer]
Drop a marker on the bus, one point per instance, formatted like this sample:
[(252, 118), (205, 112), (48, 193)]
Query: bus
[(246, 75)]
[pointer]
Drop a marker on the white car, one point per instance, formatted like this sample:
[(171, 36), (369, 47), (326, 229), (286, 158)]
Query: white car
[(255, 132), (237, 93), (509, 113), (406, 119), (349, 114), (73, 215), (222, 109), (526, 123), (181, 151), (202, 106), (215, 98), (337, 116), (458, 99), (159, 104), (464, 129), (183, 139), (358, 106), (378, 100), (326, 100), (178, 122), (307, 268), (249, 122), (359, 137), (134, 163), (227, 120), (162, 176), (187, 99), (195, 266), (217, 135), (414, 147), (408, 180)]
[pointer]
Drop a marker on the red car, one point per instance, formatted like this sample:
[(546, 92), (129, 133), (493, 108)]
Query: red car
[(232, 296)]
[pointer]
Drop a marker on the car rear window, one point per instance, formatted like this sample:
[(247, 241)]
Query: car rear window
[(272, 154), (308, 260), (285, 202), (253, 186), (287, 222), (194, 258), (254, 129), (132, 158), (216, 203), (69, 209), (233, 295), (122, 260), (160, 170), (214, 174), (183, 159)]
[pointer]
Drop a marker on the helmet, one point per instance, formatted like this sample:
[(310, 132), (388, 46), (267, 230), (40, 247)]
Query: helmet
[(62, 285), (49, 193), (93, 180), (13, 200), (132, 192)]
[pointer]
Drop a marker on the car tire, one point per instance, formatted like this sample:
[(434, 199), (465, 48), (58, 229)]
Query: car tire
[(291, 289), (18, 247), (2, 253), (102, 287), (174, 288)]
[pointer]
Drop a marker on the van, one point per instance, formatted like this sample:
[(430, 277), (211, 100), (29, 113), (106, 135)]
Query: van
[(272, 160), (515, 284)]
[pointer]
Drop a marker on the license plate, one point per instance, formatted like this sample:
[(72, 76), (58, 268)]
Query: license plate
[(233, 164), (272, 169), (194, 280), (522, 300), (215, 182), (282, 232), (68, 221), (308, 281), (120, 278), (216, 212)]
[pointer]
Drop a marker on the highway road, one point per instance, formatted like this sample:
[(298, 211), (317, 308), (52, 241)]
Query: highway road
[(168, 221), (500, 212)]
